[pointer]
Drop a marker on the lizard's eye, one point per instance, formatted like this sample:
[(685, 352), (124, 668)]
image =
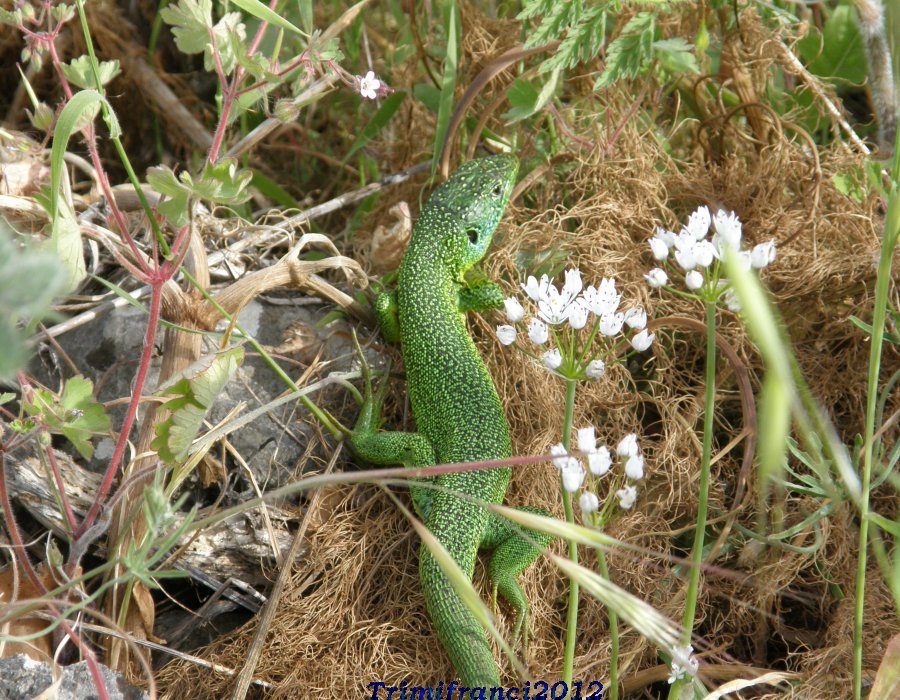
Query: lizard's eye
[(472, 233), (497, 191)]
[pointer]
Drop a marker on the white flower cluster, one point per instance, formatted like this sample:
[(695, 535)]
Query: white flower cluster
[(698, 256), (570, 309), (599, 462), (683, 662)]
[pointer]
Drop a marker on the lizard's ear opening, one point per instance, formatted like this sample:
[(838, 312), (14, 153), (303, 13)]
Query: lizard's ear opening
[(472, 233)]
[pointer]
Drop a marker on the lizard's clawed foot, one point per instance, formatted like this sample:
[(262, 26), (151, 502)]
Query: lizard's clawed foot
[(369, 420)]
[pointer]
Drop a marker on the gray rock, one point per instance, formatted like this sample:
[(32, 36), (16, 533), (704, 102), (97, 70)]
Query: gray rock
[(23, 678)]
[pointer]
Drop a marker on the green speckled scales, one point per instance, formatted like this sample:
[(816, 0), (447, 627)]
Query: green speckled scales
[(459, 417)]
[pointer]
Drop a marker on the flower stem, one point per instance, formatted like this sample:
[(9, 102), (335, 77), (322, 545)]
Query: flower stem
[(882, 284), (613, 634), (693, 589), (572, 616)]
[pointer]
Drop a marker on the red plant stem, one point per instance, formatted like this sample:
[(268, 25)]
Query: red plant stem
[(156, 286), (13, 528), (22, 555), (230, 90)]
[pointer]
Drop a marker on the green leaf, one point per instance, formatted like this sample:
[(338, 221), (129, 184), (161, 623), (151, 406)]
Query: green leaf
[(262, 12), (230, 36), (192, 397), (838, 51), (448, 83), (378, 121), (6, 398), (83, 104), (271, 189), (675, 56), (80, 72), (526, 100), (626, 55), (522, 96), (74, 413), (891, 526), (12, 350), (191, 22), (583, 41), (428, 95), (31, 278), (222, 183), (175, 206)]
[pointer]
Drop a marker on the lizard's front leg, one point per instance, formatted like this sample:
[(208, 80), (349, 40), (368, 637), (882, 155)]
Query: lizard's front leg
[(394, 447), (480, 295)]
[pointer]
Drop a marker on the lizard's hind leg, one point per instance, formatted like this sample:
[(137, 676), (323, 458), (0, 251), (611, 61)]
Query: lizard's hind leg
[(515, 548)]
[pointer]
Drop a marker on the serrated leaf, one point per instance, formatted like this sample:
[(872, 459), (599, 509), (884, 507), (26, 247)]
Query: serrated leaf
[(230, 35), (191, 22), (74, 413), (192, 397), (80, 72), (222, 182), (175, 206), (626, 55), (583, 41)]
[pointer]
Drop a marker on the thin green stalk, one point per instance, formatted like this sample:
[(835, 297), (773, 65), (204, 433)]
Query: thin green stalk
[(613, 634), (326, 419), (693, 589), (891, 229), (572, 616)]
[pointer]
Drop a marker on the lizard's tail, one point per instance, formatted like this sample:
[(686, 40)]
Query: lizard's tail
[(459, 630)]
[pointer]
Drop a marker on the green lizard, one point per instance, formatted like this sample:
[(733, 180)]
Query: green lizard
[(458, 413)]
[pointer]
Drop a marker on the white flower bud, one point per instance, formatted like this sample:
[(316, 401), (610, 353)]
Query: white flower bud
[(643, 340), (599, 461), (627, 446), (506, 335), (552, 359), (514, 310), (762, 254), (657, 278), (636, 318), (627, 497), (537, 331), (595, 369), (693, 280), (659, 249), (573, 477), (588, 502), (634, 467)]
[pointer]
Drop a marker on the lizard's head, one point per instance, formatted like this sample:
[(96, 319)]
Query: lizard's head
[(467, 208)]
